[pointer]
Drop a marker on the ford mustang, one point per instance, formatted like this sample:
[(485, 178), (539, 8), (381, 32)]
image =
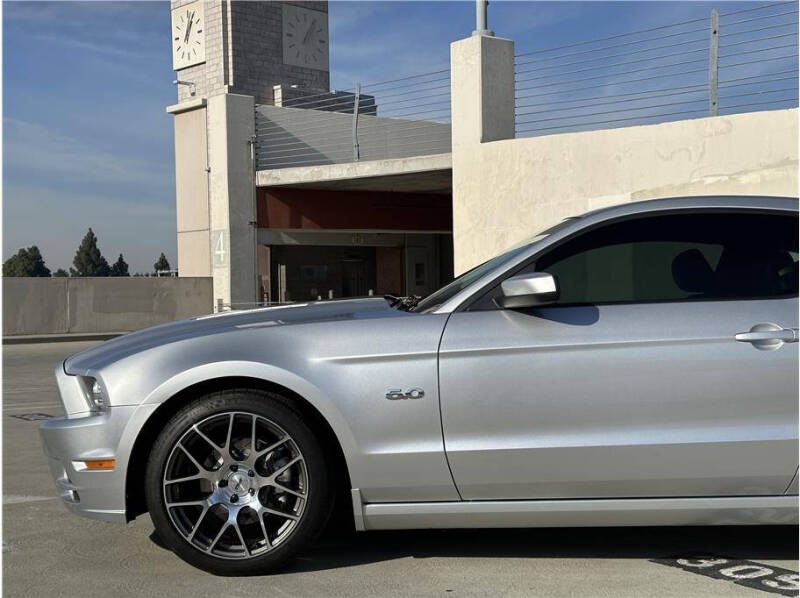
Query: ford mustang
[(636, 365)]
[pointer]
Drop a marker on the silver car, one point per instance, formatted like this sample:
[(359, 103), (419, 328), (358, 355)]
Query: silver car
[(637, 365)]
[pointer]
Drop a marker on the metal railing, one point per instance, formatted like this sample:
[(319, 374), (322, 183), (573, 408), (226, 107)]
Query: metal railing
[(388, 119), (222, 306), (737, 61)]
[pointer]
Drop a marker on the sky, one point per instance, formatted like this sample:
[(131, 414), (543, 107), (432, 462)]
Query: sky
[(87, 141)]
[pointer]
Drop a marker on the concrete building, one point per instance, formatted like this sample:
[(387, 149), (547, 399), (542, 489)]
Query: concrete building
[(301, 235), (287, 190)]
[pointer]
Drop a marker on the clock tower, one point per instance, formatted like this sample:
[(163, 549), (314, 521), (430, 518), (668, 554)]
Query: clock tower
[(243, 47), (229, 55)]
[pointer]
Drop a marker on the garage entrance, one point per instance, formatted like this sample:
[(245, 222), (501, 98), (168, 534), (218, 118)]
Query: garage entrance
[(395, 264), (322, 243)]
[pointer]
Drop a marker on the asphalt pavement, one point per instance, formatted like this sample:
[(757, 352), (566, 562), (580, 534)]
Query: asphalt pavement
[(49, 552)]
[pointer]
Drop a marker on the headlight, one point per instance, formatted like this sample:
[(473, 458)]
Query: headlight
[(94, 394)]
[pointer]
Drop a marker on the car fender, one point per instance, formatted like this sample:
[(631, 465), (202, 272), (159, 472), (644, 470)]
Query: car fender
[(262, 371)]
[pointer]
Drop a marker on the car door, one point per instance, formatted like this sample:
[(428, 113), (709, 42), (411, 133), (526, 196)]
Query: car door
[(634, 383)]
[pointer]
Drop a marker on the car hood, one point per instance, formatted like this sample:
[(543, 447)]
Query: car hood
[(281, 315)]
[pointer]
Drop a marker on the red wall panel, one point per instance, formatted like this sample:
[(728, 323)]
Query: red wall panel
[(317, 209)]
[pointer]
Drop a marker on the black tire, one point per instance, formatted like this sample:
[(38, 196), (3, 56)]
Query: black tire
[(277, 409)]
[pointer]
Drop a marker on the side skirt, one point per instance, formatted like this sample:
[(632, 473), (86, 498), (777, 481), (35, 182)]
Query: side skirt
[(739, 510)]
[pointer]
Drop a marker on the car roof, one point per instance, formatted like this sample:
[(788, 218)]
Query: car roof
[(712, 202), (754, 202)]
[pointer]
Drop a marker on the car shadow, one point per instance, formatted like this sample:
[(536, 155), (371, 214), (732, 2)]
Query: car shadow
[(342, 547)]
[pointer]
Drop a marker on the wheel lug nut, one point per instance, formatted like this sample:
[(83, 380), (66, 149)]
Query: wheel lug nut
[(223, 483), (234, 467), (252, 491), (234, 498), (251, 473)]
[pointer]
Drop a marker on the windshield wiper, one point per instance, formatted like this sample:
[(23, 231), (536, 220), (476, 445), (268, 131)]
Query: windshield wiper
[(403, 303)]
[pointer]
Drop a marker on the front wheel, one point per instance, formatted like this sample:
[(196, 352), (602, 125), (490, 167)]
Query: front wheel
[(236, 483)]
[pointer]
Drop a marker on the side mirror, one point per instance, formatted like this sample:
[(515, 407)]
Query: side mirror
[(528, 290)]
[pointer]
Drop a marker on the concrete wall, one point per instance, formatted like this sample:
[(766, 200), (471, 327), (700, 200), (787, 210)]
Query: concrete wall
[(291, 137), (71, 305), (232, 195), (215, 193), (506, 191), (191, 193)]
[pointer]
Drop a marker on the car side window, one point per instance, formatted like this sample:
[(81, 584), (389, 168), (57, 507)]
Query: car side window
[(686, 257)]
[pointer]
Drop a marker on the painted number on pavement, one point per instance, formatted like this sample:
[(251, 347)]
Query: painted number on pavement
[(746, 573)]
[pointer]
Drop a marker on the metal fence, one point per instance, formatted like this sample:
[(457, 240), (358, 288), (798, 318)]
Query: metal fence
[(389, 119), (736, 61)]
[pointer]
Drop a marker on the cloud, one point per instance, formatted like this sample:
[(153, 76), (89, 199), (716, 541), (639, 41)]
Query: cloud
[(30, 145), (517, 20), (378, 41), (115, 32), (118, 50), (76, 13), (383, 41), (347, 16)]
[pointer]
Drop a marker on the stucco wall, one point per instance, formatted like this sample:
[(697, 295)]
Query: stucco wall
[(506, 191), (67, 305)]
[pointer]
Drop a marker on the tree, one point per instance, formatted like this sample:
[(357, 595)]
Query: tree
[(61, 273), (88, 260), (162, 263), (120, 268), (26, 262)]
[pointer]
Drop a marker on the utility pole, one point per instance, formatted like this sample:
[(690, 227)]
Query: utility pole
[(481, 11), (713, 65)]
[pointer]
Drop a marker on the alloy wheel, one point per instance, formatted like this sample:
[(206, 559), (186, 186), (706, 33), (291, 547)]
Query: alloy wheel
[(235, 485)]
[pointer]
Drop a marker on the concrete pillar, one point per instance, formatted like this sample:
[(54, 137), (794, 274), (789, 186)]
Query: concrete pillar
[(232, 210), (482, 108), (191, 188), (482, 89)]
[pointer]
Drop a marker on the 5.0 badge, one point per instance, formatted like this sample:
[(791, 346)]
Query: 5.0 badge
[(397, 394)]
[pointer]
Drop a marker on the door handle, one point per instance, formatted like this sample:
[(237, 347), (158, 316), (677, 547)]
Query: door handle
[(768, 336), (786, 335)]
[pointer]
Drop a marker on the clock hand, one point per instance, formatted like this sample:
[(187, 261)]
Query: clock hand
[(188, 29), (308, 33)]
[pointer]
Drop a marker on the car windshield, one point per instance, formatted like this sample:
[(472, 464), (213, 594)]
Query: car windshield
[(437, 298)]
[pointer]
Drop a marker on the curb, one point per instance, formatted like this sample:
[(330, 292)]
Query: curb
[(25, 339)]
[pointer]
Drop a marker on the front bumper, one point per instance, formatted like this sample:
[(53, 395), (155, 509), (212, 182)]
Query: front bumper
[(69, 440), (81, 435)]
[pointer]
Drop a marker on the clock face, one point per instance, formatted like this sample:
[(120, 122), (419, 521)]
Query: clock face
[(305, 37), (188, 38)]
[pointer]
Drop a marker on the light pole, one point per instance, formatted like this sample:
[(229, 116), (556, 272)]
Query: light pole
[(481, 10), (189, 84)]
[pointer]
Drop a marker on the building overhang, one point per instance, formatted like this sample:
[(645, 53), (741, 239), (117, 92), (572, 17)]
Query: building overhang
[(418, 174), (187, 105)]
